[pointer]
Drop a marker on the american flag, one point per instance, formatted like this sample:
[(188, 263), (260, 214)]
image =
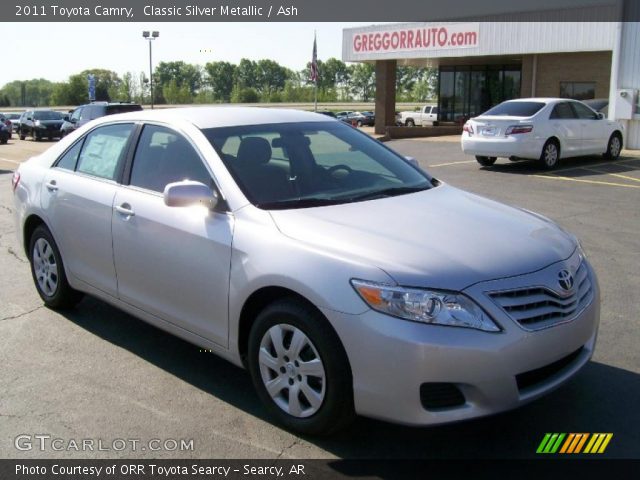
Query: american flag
[(314, 62)]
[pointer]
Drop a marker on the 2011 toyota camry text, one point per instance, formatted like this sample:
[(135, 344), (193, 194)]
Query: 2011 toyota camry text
[(346, 279)]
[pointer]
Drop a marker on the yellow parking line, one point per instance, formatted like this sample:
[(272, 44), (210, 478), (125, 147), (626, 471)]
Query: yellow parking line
[(595, 182), (451, 163), (626, 177), (617, 162)]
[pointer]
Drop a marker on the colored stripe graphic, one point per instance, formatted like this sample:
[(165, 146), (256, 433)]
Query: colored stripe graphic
[(573, 443)]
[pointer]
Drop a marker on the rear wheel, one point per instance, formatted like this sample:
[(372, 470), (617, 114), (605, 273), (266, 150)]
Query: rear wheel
[(614, 147), (300, 369), (550, 156), (48, 273), (486, 161), (410, 123), (360, 123)]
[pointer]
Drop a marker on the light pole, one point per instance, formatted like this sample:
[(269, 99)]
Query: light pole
[(150, 36)]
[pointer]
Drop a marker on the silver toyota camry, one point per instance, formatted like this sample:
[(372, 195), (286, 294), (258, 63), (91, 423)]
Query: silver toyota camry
[(342, 276)]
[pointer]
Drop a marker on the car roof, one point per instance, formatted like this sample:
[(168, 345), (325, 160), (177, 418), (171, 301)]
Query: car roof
[(543, 99), (223, 116)]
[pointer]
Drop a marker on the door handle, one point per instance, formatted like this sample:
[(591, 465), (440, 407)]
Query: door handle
[(52, 186), (125, 209)]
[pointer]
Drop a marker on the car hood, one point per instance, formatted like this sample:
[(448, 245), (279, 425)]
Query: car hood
[(439, 238)]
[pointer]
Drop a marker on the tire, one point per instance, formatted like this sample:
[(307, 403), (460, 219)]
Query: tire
[(410, 123), (325, 401), (486, 161), (359, 123), (21, 135), (614, 146), (48, 272), (550, 156), (4, 141)]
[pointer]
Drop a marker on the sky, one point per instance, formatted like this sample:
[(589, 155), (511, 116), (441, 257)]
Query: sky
[(57, 50)]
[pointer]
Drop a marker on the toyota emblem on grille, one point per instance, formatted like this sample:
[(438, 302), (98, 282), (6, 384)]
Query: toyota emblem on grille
[(565, 279)]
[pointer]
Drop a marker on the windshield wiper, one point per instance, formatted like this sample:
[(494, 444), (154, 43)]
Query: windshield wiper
[(388, 192), (299, 203)]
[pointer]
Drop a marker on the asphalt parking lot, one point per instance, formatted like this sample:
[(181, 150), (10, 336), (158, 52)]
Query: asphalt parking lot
[(97, 373)]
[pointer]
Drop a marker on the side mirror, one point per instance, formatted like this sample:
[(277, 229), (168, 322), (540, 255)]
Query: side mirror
[(66, 118), (188, 193), (412, 161), (72, 120), (30, 119), (600, 116)]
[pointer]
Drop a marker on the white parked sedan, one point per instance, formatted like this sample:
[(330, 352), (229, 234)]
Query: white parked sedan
[(547, 129)]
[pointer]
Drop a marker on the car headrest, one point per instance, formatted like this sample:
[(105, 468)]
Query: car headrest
[(254, 150)]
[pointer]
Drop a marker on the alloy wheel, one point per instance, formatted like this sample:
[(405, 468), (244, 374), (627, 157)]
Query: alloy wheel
[(292, 370), (550, 154), (45, 267)]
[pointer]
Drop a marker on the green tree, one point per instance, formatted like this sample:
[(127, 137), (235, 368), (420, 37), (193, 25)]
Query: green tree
[(270, 77), (221, 76), (247, 74), (175, 94), (244, 95), (183, 74), (362, 80)]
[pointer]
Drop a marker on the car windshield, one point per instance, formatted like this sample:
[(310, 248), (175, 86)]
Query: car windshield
[(47, 116), (13, 116), (515, 109), (296, 165)]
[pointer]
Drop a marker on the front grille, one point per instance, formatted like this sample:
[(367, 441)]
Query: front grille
[(536, 308), (436, 396), (539, 375)]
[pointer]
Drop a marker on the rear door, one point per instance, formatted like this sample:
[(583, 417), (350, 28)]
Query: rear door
[(172, 262), (77, 196), (567, 127)]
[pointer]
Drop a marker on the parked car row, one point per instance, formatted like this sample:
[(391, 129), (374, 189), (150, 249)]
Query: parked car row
[(51, 124)]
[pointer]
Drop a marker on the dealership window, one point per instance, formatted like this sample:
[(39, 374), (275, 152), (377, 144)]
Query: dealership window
[(578, 90), (467, 91)]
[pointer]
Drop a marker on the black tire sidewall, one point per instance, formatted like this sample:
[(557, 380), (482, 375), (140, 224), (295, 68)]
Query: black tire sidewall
[(337, 407), (485, 161)]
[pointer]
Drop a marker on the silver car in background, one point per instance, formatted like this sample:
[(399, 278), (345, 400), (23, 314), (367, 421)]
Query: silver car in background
[(342, 276)]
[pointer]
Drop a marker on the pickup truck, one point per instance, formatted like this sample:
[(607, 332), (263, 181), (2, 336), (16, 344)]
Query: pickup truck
[(426, 115)]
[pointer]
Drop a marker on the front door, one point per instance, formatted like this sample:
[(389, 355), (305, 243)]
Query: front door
[(172, 262)]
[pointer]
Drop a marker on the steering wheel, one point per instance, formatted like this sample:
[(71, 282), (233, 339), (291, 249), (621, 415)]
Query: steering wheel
[(338, 167)]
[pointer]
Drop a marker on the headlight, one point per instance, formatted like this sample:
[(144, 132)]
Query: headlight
[(425, 306)]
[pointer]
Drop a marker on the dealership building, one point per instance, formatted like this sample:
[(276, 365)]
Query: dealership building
[(529, 54)]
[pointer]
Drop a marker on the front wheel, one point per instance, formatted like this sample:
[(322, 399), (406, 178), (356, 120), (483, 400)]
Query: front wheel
[(614, 147), (410, 123), (550, 156), (48, 273), (485, 161), (300, 369)]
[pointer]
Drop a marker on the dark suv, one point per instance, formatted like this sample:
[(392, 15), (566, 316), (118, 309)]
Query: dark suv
[(91, 111), (40, 124)]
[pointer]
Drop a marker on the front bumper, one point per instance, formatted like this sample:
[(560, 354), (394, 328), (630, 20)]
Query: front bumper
[(391, 358), (521, 146)]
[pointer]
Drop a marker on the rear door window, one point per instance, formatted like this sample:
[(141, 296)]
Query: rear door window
[(563, 111), (103, 150)]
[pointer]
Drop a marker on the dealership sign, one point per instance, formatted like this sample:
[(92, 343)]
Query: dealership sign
[(416, 38)]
